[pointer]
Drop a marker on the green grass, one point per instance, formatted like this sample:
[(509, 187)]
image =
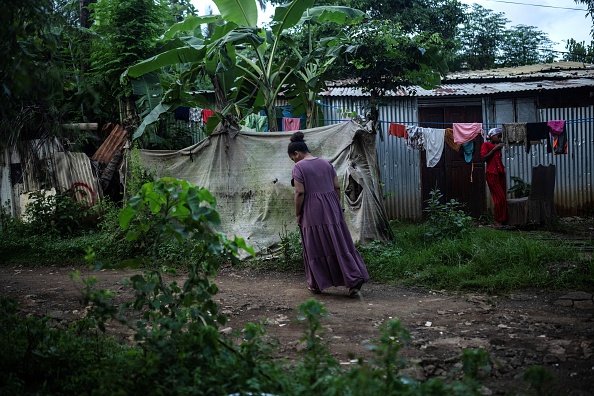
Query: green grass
[(483, 259)]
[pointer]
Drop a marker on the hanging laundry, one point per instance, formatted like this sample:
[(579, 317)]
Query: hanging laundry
[(397, 130), (449, 139), (557, 130), (465, 132), (195, 114), (206, 114), (560, 144), (291, 124), (256, 123), (433, 143), (514, 133), (182, 113), (468, 150), (415, 137), (556, 127), (535, 132)]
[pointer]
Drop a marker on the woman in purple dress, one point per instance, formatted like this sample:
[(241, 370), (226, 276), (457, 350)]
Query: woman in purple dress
[(329, 253)]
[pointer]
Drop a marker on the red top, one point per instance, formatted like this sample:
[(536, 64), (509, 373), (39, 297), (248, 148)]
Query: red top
[(494, 164)]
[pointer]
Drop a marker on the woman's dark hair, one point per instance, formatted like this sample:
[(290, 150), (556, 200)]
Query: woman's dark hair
[(297, 144)]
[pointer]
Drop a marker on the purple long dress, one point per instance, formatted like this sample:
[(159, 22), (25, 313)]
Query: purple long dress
[(329, 253)]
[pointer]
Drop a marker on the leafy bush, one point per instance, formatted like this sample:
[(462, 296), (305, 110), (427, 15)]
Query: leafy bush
[(520, 189), (58, 214), (290, 247), (179, 349), (445, 220)]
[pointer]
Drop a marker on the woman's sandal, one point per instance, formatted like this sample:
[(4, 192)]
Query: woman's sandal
[(353, 291), (314, 291)]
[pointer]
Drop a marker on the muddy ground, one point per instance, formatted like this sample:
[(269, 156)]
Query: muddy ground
[(519, 330)]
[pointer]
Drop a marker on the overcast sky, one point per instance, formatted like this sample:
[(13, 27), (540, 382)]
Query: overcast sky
[(560, 24)]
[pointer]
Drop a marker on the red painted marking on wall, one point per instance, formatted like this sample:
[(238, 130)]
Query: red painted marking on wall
[(83, 194)]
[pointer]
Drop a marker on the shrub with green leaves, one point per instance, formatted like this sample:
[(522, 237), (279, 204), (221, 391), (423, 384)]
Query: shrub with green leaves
[(58, 214), (520, 189), (445, 220)]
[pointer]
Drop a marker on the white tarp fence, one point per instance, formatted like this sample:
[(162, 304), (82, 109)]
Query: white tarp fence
[(249, 173)]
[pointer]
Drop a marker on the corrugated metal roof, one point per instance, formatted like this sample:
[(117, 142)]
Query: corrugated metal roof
[(115, 142), (556, 69), (549, 76), (501, 87), (466, 89)]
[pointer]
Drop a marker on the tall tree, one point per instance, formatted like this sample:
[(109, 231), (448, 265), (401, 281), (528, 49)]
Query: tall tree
[(481, 37), (413, 16), (579, 51), (383, 58), (525, 45), (31, 89), (126, 32), (239, 58)]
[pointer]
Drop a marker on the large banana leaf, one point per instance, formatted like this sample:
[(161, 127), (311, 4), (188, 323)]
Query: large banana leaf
[(241, 12), (150, 91), (288, 15), (175, 56), (189, 24), (152, 117), (239, 35), (336, 14)]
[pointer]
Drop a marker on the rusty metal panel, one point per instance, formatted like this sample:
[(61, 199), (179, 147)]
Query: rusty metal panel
[(556, 69), (74, 172), (115, 142)]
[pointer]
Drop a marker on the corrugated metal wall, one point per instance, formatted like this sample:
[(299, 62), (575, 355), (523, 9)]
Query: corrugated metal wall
[(574, 186), (399, 167)]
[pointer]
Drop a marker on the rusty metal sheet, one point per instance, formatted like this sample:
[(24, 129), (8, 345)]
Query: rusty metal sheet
[(115, 142)]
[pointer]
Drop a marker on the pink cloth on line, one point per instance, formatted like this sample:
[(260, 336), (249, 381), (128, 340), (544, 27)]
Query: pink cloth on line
[(291, 124), (556, 126), (465, 132)]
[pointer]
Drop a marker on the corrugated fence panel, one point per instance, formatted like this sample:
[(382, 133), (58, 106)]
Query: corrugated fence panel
[(399, 167), (574, 181), (574, 193), (7, 200), (73, 171)]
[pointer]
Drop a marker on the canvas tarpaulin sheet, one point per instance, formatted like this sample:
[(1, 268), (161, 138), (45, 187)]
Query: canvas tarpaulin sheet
[(249, 173)]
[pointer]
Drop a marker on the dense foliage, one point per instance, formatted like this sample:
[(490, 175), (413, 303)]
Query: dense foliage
[(125, 32), (178, 348), (32, 94)]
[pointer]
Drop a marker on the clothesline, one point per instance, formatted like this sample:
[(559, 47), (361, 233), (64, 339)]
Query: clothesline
[(491, 124)]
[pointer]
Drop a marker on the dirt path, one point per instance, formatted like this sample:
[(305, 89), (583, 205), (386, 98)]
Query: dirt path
[(519, 330)]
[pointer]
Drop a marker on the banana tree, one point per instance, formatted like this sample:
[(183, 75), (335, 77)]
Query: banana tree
[(312, 67), (245, 79)]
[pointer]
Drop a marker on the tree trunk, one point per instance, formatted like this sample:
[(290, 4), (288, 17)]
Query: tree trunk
[(85, 13)]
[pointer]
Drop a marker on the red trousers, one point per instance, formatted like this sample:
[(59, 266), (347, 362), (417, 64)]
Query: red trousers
[(497, 186)]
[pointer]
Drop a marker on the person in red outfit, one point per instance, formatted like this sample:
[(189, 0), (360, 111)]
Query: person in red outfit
[(495, 174)]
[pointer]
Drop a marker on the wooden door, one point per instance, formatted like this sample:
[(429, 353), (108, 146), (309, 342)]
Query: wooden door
[(456, 179)]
